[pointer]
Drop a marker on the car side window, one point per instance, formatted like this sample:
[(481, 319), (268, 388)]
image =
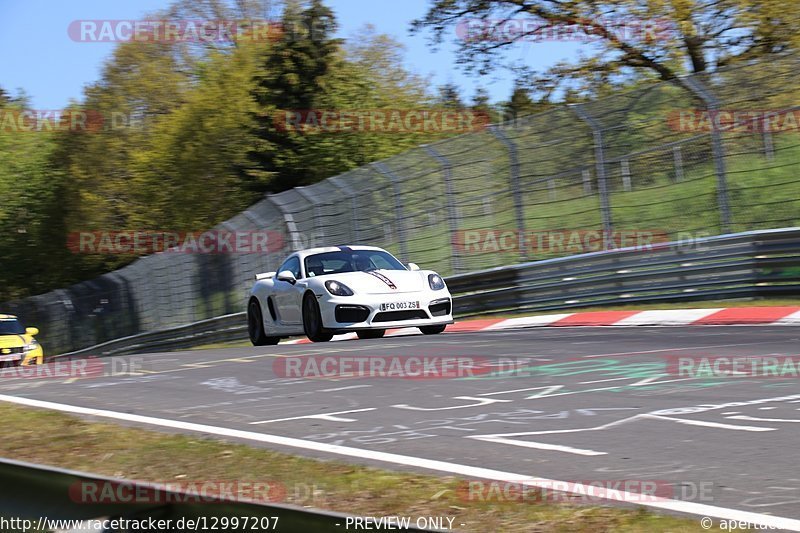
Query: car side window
[(292, 265)]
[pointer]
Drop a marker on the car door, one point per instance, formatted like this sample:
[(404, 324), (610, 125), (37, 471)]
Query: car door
[(286, 295)]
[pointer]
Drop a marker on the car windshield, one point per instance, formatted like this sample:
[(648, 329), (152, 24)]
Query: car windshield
[(350, 261), (11, 326)]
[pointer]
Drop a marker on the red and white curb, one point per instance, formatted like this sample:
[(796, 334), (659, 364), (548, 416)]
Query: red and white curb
[(733, 316)]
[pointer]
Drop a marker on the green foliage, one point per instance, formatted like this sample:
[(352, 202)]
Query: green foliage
[(30, 216)]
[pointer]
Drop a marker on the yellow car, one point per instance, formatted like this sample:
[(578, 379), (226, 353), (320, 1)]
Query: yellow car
[(17, 345)]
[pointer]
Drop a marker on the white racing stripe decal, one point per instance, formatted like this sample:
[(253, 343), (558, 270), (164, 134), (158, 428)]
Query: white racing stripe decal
[(467, 471)]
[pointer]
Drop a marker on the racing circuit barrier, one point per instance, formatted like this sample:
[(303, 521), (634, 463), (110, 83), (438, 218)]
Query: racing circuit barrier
[(744, 265), (40, 494)]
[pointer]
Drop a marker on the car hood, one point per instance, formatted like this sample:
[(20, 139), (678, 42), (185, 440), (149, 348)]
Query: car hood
[(13, 341), (382, 281)]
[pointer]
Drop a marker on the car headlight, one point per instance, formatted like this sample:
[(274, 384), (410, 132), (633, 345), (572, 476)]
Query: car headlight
[(436, 282), (338, 289)]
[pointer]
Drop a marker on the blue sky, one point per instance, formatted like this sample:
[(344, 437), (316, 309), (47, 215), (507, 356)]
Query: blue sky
[(38, 57)]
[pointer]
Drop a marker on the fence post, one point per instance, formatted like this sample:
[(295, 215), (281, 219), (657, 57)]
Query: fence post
[(766, 133), (68, 315), (600, 164), (452, 215), (340, 184), (400, 221), (677, 156), (314, 201), (288, 219), (516, 189), (625, 167), (259, 223), (586, 176), (713, 106)]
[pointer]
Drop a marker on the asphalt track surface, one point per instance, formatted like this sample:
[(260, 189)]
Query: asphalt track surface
[(591, 404)]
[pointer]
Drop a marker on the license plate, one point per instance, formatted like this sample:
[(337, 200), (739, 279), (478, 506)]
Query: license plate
[(399, 306), (10, 357)]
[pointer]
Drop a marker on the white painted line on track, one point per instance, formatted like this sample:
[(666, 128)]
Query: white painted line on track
[(707, 424), (549, 388), (481, 403), (607, 380), (540, 446), (757, 419), (321, 416), (428, 464), (344, 388), (674, 349)]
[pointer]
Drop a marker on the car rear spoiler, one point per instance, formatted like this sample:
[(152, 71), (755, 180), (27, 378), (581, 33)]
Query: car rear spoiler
[(265, 275)]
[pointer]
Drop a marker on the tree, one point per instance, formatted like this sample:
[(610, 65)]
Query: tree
[(369, 77), (32, 236), (480, 100), (450, 97), (650, 38), (292, 78), (520, 103), (194, 152)]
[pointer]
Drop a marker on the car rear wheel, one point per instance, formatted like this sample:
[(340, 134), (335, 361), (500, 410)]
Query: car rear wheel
[(370, 333), (312, 320), (255, 326), (432, 330)]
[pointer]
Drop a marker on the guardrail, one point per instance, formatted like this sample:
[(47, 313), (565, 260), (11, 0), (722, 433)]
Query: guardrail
[(35, 492), (224, 328), (744, 265)]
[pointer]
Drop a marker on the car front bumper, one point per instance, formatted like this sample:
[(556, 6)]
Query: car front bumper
[(386, 311), (32, 357)]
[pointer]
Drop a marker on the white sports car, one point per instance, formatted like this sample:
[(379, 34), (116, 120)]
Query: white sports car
[(321, 292)]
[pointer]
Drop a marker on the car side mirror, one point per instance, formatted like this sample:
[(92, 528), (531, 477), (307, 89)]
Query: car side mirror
[(287, 276), (32, 331), (413, 266)]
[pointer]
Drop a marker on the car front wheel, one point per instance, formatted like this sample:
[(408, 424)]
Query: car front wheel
[(312, 320), (432, 330)]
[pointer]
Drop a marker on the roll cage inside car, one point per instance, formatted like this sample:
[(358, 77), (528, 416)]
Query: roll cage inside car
[(350, 261)]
